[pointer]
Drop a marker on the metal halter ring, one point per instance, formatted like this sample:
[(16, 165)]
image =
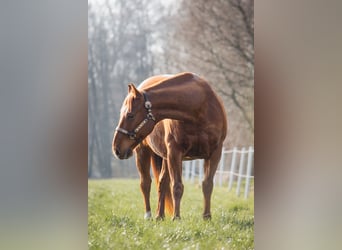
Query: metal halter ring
[(148, 104)]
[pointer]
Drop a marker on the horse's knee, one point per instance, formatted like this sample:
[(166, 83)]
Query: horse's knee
[(207, 186), (178, 189), (207, 183), (145, 185)]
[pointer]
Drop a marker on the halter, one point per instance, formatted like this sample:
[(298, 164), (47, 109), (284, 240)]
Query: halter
[(133, 134)]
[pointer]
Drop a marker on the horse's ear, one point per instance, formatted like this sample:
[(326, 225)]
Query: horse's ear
[(132, 89)]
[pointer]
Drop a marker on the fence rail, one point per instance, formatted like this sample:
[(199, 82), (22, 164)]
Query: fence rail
[(194, 169)]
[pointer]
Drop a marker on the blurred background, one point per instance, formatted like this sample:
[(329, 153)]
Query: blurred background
[(129, 41), (44, 88)]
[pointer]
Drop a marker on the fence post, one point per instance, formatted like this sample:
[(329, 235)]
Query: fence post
[(193, 173), (187, 170), (249, 170), (200, 170), (232, 170), (221, 167), (241, 167)]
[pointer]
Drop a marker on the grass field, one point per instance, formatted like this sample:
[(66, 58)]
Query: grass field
[(116, 211)]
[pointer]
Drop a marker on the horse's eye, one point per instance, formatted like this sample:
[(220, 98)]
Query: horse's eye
[(130, 116)]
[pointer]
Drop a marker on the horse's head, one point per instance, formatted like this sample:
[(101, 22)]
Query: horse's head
[(136, 122)]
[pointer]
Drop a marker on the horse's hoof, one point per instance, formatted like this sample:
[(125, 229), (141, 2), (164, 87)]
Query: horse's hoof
[(207, 216), (159, 218), (176, 218), (148, 215)]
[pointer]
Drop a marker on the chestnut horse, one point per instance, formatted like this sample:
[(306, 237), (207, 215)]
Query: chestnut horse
[(167, 119)]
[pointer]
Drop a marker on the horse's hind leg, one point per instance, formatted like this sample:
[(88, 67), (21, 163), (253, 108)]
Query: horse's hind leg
[(143, 156), (163, 184), (210, 166)]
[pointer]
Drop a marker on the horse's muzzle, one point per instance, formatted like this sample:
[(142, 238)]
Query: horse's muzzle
[(118, 154)]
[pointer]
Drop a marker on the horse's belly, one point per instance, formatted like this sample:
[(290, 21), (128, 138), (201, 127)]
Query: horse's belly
[(198, 149), (189, 150), (192, 144)]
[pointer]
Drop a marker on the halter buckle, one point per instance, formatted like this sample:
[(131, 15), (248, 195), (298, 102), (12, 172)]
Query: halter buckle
[(132, 136), (148, 104), (150, 116)]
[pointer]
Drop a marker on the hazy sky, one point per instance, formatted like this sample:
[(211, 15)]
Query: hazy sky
[(100, 2)]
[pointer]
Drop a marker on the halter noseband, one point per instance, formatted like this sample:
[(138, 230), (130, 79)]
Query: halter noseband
[(133, 134)]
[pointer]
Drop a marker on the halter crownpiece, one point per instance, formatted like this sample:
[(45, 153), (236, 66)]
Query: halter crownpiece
[(133, 134)]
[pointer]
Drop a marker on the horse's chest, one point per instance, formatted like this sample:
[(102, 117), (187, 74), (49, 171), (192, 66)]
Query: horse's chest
[(156, 141), (157, 145)]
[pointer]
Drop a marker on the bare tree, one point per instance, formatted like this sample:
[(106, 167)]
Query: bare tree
[(119, 41), (215, 38), (129, 41)]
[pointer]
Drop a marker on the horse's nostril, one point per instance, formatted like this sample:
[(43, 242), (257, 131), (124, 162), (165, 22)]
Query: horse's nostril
[(117, 151)]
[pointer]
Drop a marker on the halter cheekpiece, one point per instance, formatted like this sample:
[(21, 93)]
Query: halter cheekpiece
[(149, 116)]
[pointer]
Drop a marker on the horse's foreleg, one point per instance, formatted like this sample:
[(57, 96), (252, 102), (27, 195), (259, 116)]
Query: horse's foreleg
[(164, 181), (143, 155), (174, 162), (210, 167)]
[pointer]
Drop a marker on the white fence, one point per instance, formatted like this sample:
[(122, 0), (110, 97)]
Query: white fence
[(193, 170)]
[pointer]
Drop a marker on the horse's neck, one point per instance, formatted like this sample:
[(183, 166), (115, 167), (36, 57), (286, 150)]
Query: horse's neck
[(170, 103)]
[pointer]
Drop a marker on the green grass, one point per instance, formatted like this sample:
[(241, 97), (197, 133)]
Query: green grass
[(116, 211)]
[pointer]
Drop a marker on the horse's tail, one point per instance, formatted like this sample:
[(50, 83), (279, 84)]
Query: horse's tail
[(157, 162)]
